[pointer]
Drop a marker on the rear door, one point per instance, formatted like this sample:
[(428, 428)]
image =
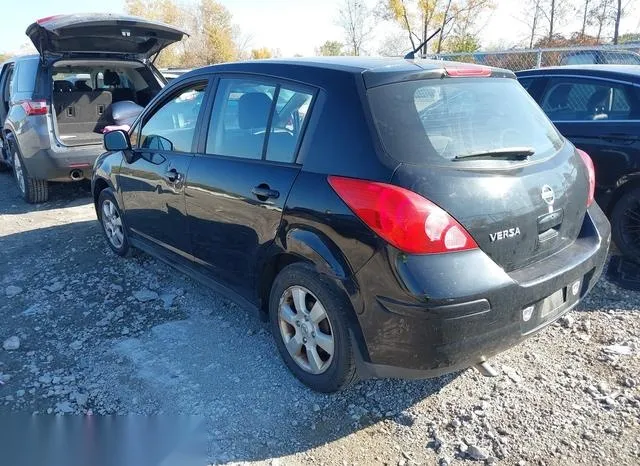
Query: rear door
[(601, 117), (153, 184), (448, 135), (101, 33), (239, 181)]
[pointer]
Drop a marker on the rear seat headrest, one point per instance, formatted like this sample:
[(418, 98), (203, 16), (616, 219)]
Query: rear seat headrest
[(111, 78), (62, 85)]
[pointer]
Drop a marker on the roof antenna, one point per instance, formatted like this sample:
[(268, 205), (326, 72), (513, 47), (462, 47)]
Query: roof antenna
[(412, 55)]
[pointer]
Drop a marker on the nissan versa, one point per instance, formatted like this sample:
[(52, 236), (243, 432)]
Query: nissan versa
[(390, 217)]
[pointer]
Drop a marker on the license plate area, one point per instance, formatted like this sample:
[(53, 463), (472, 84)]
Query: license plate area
[(552, 303)]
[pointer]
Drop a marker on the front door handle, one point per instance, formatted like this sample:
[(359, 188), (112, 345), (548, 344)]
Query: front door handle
[(264, 192), (172, 175)]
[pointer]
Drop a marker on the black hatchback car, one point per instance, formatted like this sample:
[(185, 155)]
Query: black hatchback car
[(392, 218), (597, 108)]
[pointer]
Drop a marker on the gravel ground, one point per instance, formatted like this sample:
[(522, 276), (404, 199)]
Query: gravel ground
[(87, 332)]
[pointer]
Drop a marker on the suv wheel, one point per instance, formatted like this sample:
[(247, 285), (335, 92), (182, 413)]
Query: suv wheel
[(308, 322), (33, 191), (625, 223), (111, 221)]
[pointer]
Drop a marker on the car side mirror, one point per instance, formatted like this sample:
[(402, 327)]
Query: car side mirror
[(117, 141)]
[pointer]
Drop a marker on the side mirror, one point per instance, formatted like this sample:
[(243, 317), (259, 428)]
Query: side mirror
[(117, 141)]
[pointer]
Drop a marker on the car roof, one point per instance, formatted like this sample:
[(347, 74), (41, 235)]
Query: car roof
[(610, 71), (376, 70)]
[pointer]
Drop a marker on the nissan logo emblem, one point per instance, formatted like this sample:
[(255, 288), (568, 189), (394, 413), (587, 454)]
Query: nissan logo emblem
[(548, 195)]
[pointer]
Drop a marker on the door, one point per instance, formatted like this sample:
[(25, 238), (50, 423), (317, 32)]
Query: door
[(101, 33), (600, 117), (153, 185), (238, 185)]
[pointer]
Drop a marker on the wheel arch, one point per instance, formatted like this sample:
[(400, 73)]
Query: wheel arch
[(308, 246), (302, 245)]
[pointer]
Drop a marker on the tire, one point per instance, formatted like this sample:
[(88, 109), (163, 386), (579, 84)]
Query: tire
[(33, 191), (112, 223), (330, 372), (625, 224)]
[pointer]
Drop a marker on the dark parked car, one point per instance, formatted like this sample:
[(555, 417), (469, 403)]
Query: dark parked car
[(390, 217), (600, 57), (598, 109), (56, 105)]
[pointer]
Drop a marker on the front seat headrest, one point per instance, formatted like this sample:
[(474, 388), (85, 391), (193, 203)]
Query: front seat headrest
[(253, 110)]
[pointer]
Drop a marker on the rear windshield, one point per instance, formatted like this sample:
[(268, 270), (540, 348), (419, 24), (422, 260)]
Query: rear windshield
[(438, 120)]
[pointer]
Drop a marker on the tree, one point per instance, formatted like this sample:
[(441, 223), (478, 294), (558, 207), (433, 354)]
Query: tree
[(616, 31), (356, 20), (394, 45), (629, 37), (462, 44), (585, 15), (456, 18), (213, 36), (261, 53), (330, 48)]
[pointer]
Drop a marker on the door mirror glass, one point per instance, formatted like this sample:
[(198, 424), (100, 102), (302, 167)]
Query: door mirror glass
[(155, 142), (117, 141)]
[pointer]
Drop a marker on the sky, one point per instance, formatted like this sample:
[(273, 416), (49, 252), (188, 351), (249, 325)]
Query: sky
[(292, 26)]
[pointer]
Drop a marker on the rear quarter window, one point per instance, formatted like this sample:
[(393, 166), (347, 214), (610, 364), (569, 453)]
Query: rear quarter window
[(26, 75), (435, 121)]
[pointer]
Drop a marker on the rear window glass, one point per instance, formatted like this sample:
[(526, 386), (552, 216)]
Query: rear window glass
[(439, 120)]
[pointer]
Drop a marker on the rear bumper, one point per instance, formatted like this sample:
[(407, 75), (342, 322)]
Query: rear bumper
[(429, 315), (57, 165)]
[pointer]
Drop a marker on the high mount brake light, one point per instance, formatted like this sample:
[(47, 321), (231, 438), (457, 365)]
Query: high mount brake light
[(34, 107), (592, 175), (403, 218), (468, 72)]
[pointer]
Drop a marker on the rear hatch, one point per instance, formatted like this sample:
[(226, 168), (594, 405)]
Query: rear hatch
[(101, 33), (482, 150)]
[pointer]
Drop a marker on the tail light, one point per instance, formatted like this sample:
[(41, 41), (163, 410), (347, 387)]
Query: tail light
[(34, 107), (592, 175), (403, 218)]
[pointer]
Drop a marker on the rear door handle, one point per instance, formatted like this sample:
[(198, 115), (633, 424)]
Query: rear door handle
[(172, 175), (264, 192)]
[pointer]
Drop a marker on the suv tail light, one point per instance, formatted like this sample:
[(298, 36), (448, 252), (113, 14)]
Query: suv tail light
[(34, 107), (403, 218), (592, 175)]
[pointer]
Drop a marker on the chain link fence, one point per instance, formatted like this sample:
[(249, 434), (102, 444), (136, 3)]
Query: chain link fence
[(518, 60)]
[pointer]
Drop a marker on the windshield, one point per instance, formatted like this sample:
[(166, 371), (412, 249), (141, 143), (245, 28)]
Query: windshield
[(440, 120)]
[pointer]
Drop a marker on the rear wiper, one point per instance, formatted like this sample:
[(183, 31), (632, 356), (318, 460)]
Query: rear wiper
[(516, 153)]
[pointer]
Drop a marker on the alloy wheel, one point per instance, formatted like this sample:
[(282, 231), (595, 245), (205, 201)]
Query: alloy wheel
[(112, 224), (306, 329)]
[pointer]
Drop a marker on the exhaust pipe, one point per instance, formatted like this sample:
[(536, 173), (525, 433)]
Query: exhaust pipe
[(76, 174), (486, 369)]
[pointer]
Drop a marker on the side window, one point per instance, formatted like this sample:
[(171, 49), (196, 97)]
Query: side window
[(240, 118), (26, 75), (576, 99), (5, 80), (526, 83), (292, 108), (172, 127)]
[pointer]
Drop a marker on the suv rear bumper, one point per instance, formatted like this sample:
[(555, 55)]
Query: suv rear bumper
[(429, 315), (48, 164)]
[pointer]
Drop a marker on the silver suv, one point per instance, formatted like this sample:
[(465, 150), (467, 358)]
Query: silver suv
[(93, 72)]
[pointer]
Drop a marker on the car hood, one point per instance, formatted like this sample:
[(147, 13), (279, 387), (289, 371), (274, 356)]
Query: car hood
[(102, 33)]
